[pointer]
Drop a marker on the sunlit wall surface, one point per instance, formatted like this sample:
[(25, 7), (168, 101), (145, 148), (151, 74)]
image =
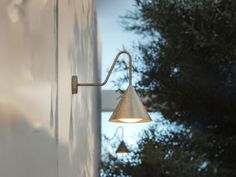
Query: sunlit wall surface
[(44, 130)]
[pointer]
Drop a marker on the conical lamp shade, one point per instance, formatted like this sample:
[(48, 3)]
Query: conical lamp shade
[(122, 148), (130, 109)]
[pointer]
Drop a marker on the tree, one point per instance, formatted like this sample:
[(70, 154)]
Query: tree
[(189, 59), (177, 152), (188, 66)]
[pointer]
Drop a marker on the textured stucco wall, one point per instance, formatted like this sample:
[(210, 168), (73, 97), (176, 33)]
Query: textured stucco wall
[(44, 130), (78, 51)]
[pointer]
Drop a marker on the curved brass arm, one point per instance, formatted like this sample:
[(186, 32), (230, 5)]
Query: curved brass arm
[(116, 131), (75, 83)]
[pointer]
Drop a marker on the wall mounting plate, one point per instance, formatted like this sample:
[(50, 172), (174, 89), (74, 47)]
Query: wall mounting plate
[(74, 84)]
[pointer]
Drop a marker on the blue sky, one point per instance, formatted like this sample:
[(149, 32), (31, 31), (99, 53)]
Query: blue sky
[(113, 36)]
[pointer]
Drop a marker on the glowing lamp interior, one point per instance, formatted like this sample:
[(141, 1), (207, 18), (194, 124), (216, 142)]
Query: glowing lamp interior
[(130, 120)]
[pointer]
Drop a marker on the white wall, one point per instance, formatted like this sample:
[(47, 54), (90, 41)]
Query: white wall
[(33, 115)]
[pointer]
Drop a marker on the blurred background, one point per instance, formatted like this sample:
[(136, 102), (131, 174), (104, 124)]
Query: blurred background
[(185, 65)]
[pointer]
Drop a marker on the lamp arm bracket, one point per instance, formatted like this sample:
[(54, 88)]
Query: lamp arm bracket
[(116, 131), (74, 79)]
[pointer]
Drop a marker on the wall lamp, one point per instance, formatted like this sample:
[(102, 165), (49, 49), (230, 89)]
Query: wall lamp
[(130, 108), (122, 148)]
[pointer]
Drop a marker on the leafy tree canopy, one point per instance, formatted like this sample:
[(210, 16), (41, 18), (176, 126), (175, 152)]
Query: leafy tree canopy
[(187, 67), (188, 59), (181, 153)]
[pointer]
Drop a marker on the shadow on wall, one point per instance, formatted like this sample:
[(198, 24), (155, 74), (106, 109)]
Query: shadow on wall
[(38, 82), (28, 150)]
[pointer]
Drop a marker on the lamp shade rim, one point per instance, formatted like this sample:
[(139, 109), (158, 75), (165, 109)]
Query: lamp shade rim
[(119, 119), (130, 108)]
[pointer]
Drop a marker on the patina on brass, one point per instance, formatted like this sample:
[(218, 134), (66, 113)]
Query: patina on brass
[(130, 109)]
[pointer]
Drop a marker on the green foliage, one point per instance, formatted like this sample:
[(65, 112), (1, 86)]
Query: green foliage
[(189, 58), (187, 62), (171, 155), (181, 153)]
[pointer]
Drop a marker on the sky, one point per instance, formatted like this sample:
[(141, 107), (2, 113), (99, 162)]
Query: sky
[(113, 38)]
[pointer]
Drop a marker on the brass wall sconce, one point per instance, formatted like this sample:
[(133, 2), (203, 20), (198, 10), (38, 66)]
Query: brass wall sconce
[(130, 108), (122, 148)]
